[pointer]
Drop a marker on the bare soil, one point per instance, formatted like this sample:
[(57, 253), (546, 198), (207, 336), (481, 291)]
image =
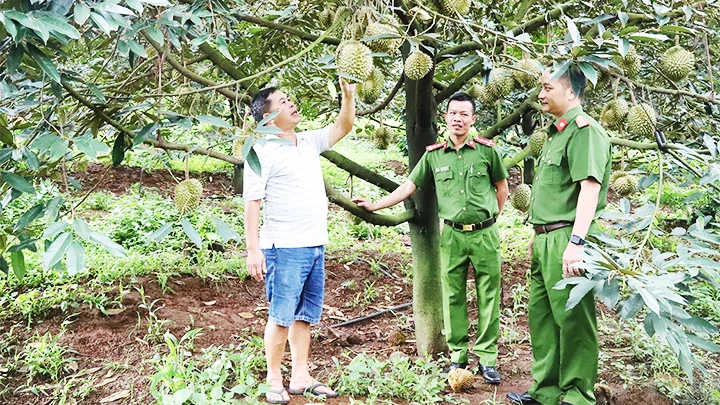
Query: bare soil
[(113, 349)]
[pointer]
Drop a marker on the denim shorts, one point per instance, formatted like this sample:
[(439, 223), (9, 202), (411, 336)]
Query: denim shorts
[(295, 284)]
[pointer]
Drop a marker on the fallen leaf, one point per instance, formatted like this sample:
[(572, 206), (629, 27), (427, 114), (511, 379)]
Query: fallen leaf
[(114, 397), (246, 315), (209, 303), (114, 311), (106, 381), (109, 373), (218, 313)]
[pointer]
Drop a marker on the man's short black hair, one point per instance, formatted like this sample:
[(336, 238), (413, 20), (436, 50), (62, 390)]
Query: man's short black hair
[(576, 78), (260, 103), (460, 96)]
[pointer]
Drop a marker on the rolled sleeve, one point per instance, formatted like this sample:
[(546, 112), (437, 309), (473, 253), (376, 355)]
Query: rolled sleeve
[(497, 171), (588, 155)]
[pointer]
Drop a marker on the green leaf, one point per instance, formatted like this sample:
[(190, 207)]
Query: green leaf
[(703, 343), (137, 48), (101, 23), (223, 48), (649, 299), (112, 247), (31, 159), (17, 182), (145, 133), (57, 25), (191, 232), (213, 120), (45, 64), (57, 250), (113, 8), (590, 72), (28, 217), (609, 293), (82, 229), (573, 30), (135, 5), (81, 13), (90, 146), (559, 69), (9, 26), (75, 261), (155, 34), (268, 129), (118, 152), (699, 325), (17, 259), (225, 231), (23, 19), (157, 2), (648, 37), (630, 307), (579, 292), (332, 89), (6, 136), (53, 209), (623, 17), (4, 267), (268, 118), (54, 229), (254, 162), (14, 58), (160, 233)]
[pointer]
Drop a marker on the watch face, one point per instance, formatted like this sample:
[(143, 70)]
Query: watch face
[(577, 240)]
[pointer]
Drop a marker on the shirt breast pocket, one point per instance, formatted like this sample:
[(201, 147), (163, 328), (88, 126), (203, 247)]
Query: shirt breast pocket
[(443, 183), (479, 181), (552, 172)]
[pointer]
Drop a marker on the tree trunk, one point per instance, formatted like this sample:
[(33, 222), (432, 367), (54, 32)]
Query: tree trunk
[(424, 231)]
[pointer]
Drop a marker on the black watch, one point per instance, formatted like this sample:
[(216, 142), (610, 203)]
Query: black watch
[(577, 240)]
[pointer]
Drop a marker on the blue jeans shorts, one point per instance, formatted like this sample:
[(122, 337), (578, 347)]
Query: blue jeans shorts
[(295, 284)]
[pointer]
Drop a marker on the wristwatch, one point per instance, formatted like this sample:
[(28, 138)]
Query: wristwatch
[(577, 240)]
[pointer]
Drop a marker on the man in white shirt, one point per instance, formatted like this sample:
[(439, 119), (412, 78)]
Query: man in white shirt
[(288, 251)]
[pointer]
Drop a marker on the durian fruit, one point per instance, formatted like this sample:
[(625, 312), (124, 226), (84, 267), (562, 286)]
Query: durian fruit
[(387, 45), (537, 140), (237, 147), (187, 195), (520, 198), (460, 379), (452, 7), (369, 90), (397, 338), (642, 120), (625, 185), (614, 114), (616, 175), (474, 90), (527, 73), (382, 137), (354, 60), (501, 84), (676, 63), (326, 17), (631, 63), (417, 65)]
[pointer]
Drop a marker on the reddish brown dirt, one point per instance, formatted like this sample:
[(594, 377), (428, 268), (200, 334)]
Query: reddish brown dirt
[(115, 346)]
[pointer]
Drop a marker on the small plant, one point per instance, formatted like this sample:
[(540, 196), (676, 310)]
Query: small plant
[(45, 356), (156, 327)]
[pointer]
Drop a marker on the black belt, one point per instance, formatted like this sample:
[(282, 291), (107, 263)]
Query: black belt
[(471, 227), (550, 227)]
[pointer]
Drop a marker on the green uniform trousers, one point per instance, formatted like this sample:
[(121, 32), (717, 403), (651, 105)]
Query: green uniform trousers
[(564, 343), (457, 250)]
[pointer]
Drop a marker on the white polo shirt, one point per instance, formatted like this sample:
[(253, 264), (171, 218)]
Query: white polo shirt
[(291, 185)]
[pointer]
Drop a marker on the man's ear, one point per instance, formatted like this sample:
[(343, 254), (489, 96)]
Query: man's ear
[(474, 118)]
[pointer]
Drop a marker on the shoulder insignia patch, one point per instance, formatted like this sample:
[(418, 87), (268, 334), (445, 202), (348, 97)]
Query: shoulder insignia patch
[(438, 145), (561, 125), (581, 121), (484, 141)]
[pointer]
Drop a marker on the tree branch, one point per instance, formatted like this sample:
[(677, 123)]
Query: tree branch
[(662, 90), (387, 100), (458, 83), (280, 27), (360, 171), (513, 118), (337, 198)]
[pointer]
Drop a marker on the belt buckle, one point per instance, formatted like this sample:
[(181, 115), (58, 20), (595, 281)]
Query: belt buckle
[(544, 228), (468, 227)]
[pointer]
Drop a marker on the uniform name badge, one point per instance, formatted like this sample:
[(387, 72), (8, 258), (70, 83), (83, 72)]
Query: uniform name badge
[(442, 169)]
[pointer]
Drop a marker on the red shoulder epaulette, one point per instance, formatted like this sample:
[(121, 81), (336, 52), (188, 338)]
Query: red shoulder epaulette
[(436, 146), (484, 141), (581, 121)]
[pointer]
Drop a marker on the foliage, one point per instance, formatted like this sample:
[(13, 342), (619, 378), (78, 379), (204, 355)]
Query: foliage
[(45, 356)]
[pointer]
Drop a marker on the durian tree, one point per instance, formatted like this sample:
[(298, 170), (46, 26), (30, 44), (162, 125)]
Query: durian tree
[(82, 78)]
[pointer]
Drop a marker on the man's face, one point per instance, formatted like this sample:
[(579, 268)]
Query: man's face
[(460, 117), (289, 116), (555, 96)]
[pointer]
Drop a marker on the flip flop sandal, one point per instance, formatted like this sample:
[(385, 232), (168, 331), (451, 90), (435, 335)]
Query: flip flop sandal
[(312, 390), (280, 392)]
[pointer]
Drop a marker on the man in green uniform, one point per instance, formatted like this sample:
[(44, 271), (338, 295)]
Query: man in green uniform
[(569, 193), (471, 187)]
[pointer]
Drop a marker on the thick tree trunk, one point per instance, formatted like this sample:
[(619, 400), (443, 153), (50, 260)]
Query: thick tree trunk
[(424, 231)]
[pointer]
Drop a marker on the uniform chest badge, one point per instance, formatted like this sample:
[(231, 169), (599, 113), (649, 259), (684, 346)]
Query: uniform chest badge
[(442, 169)]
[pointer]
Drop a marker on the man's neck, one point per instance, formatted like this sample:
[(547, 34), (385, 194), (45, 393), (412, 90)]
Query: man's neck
[(570, 107), (288, 134), (458, 140)]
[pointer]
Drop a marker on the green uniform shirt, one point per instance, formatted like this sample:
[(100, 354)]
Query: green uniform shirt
[(577, 148), (464, 179)]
